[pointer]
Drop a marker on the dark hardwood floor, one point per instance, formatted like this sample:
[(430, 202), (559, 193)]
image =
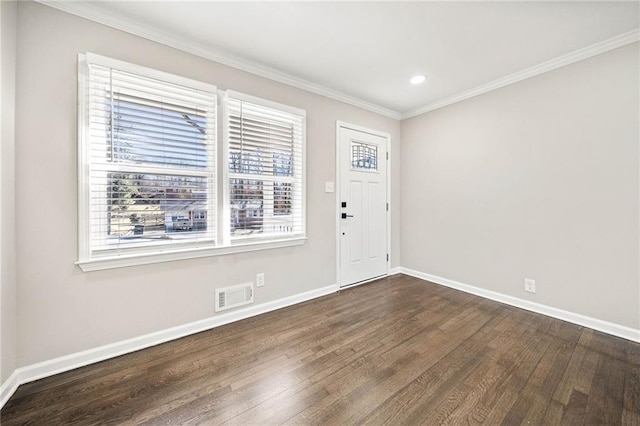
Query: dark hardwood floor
[(395, 351)]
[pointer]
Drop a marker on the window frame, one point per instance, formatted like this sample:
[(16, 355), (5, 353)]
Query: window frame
[(87, 261), (226, 173)]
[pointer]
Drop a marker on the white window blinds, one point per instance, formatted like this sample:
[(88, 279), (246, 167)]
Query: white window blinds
[(151, 154), (148, 173), (265, 148)]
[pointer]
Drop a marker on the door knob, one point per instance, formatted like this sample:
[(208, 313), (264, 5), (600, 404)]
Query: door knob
[(344, 215)]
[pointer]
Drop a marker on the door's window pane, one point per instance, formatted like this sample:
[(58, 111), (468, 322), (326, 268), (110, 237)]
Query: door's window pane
[(364, 156)]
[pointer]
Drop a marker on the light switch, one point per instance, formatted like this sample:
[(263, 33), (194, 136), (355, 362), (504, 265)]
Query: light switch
[(329, 187)]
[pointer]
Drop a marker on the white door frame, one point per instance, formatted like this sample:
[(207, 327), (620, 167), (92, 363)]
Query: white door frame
[(387, 136)]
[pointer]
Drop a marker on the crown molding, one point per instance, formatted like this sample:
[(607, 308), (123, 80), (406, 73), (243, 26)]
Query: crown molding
[(89, 11), (570, 58)]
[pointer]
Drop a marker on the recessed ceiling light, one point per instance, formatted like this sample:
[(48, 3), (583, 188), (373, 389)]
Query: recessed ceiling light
[(418, 79)]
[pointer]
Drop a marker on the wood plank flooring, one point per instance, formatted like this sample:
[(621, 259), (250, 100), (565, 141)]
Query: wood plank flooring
[(395, 351)]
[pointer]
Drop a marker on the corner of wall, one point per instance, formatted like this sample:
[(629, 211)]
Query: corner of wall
[(8, 287)]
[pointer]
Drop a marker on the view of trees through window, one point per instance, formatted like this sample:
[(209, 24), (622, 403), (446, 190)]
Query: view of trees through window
[(151, 205)]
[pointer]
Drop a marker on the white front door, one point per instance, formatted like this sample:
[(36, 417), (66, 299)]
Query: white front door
[(362, 205)]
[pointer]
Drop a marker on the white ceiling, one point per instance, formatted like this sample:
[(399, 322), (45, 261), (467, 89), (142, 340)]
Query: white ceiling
[(369, 50)]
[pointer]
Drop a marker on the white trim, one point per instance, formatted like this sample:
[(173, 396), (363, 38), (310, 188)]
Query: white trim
[(83, 156), (395, 271), (304, 172), (225, 209), (337, 201), (572, 317), (561, 61), (388, 206), (98, 264), (8, 388), (90, 12), (363, 129), (80, 359), (87, 11)]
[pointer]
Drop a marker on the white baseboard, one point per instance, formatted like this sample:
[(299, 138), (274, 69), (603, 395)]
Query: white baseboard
[(395, 271), (8, 388), (48, 368), (69, 362), (579, 319)]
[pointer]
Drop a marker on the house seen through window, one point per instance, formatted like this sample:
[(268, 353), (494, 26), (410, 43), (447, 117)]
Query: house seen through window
[(265, 170), (150, 206)]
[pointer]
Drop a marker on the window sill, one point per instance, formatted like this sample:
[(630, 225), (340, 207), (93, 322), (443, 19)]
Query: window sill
[(124, 261)]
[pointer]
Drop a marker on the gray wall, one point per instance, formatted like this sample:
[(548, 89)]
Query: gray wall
[(536, 180), (8, 315), (62, 310)]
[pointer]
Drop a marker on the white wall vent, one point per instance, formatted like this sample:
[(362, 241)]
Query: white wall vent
[(231, 297)]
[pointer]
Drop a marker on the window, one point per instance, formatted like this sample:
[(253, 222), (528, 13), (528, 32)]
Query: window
[(148, 174), (364, 156), (264, 143)]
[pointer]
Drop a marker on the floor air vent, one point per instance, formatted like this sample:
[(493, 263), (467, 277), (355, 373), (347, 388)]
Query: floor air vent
[(231, 297)]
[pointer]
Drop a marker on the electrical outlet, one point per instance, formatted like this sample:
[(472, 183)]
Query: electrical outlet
[(260, 279), (529, 285), (329, 187)]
